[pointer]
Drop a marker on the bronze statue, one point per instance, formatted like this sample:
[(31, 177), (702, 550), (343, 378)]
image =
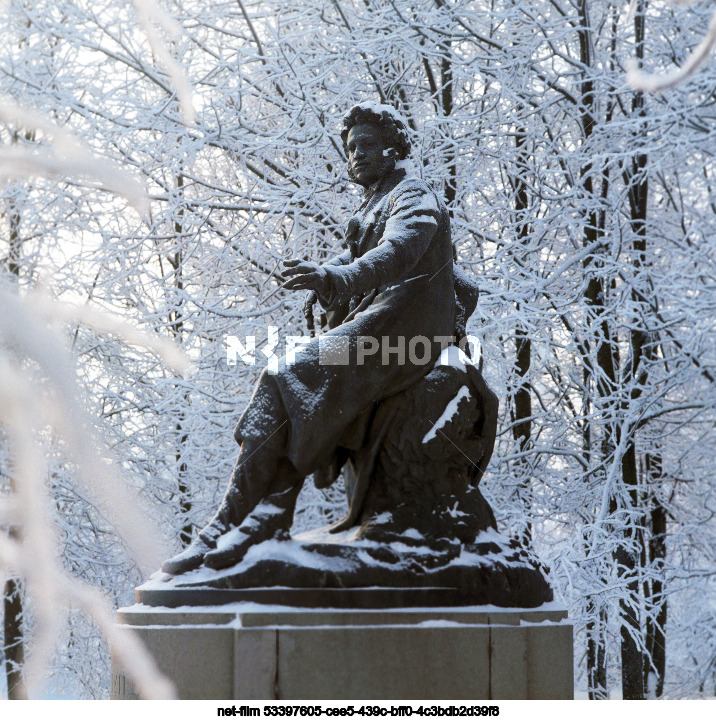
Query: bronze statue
[(385, 396)]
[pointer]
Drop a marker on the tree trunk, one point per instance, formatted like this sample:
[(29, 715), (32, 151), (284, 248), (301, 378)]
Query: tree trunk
[(656, 606), (596, 612), (522, 401), (599, 345), (596, 651), (631, 548), (14, 646), (176, 324), (627, 557)]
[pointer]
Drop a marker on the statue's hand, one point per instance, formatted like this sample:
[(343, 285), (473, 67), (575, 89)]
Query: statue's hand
[(306, 275)]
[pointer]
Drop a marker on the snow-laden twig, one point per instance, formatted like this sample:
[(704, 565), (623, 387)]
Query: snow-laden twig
[(32, 401), (152, 17), (660, 82), (63, 156), (168, 352), (24, 331)]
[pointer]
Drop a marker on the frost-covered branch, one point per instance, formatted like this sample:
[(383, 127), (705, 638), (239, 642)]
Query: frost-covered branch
[(646, 82), (152, 18), (49, 398), (64, 156)]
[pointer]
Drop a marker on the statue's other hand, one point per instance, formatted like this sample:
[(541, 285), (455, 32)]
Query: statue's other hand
[(305, 275)]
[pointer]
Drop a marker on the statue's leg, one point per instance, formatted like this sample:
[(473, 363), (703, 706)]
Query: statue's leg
[(271, 517), (258, 474), (261, 470), (251, 479)]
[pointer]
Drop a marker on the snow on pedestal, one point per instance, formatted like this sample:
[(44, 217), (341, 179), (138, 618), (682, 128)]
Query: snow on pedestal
[(250, 651)]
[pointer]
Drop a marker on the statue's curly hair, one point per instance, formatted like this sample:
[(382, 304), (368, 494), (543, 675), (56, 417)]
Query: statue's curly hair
[(396, 133)]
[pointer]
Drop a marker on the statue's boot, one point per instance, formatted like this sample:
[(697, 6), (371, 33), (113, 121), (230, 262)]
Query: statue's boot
[(271, 518), (190, 558)]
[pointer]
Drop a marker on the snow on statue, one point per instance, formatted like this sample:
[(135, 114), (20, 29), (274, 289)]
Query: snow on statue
[(386, 397)]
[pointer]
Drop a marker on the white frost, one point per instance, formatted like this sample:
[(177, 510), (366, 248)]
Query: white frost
[(382, 108), (660, 82), (456, 358), (448, 413), (407, 165)]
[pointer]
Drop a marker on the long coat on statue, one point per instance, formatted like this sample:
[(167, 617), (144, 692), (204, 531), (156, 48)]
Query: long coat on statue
[(393, 289)]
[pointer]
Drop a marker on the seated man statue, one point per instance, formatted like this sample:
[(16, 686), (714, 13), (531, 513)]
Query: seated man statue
[(390, 301)]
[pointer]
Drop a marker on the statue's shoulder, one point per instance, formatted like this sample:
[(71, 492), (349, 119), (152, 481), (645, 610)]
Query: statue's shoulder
[(413, 189)]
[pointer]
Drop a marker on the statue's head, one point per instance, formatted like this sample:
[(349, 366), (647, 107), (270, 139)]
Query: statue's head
[(375, 138)]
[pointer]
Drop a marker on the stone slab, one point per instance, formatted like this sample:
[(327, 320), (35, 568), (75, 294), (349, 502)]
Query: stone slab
[(532, 661), (383, 662), (176, 618), (256, 669), (246, 651), (198, 659)]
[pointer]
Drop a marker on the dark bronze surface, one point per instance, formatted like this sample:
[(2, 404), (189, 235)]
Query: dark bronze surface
[(411, 439)]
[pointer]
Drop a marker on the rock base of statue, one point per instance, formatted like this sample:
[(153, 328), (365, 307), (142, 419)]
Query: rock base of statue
[(491, 570), (256, 651)]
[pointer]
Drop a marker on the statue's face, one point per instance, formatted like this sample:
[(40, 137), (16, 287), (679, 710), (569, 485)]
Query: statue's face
[(367, 158)]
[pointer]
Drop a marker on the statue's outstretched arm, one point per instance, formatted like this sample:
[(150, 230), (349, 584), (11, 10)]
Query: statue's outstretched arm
[(409, 229)]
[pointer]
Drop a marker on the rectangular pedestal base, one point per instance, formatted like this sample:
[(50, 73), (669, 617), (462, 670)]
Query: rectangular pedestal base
[(246, 651)]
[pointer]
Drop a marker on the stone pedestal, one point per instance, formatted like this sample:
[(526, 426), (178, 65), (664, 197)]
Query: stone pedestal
[(244, 650)]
